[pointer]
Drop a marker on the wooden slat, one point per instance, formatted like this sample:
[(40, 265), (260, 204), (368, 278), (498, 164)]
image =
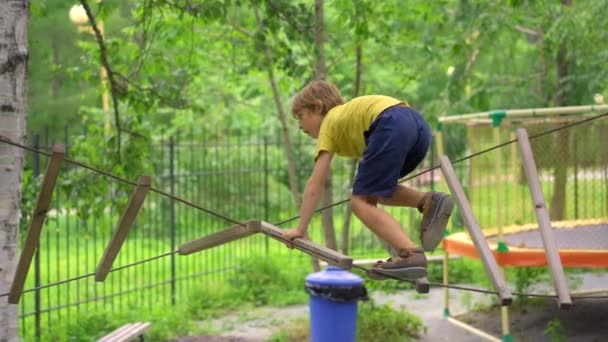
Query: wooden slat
[(227, 235), (328, 255), (122, 228), (38, 217), (115, 335), (129, 332), (544, 222), (477, 236)]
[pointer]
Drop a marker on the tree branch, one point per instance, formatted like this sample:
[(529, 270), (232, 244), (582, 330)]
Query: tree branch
[(103, 55)]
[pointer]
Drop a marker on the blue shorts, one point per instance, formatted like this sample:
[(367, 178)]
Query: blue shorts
[(396, 142)]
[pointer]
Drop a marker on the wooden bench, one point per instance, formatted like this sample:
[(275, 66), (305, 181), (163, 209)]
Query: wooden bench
[(127, 332)]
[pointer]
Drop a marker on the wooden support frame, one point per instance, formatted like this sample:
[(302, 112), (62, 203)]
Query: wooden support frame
[(328, 255), (122, 228), (474, 230), (38, 218), (544, 222), (227, 235)]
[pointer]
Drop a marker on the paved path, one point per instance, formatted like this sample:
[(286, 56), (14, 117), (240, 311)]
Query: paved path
[(261, 323)]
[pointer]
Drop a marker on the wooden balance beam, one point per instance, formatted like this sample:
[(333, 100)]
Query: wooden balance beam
[(255, 226), (328, 255), (235, 232)]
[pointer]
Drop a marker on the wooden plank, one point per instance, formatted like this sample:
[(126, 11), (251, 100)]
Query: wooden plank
[(544, 222), (479, 240), (33, 234), (122, 228), (328, 255), (227, 235)]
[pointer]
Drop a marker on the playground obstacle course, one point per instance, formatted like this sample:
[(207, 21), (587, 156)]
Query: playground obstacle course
[(331, 257)]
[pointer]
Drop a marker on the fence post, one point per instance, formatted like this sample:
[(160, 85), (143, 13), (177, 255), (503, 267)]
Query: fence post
[(266, 204), (172, 214), (35, 174)]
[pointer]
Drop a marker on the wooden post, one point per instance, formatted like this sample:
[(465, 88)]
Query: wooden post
[(122, 228), (477, 236), (544, 222), (235, 232), (33, 233), (309, 247)]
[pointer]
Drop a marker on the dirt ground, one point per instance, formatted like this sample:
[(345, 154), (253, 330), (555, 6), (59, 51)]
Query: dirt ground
[(542, 320)]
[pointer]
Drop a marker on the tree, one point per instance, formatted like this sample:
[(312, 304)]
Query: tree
[(13, 68)]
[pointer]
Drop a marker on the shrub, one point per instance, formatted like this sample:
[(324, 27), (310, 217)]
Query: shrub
[(384, 323), (263, 281)]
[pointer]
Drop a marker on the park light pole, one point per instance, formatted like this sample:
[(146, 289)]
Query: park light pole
[(79, 17)]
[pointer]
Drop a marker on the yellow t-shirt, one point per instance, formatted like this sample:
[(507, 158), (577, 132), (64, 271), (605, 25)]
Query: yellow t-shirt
[(342, 128)]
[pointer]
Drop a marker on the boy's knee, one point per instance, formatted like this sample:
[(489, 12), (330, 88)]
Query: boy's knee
[(359, 203)]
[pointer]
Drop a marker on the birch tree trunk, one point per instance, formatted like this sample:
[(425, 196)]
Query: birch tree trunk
[(13, 90)]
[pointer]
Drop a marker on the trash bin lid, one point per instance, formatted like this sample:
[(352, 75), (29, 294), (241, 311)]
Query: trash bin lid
[(335, 276)]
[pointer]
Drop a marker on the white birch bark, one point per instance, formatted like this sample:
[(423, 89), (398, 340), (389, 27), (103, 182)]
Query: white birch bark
[(13, 89)]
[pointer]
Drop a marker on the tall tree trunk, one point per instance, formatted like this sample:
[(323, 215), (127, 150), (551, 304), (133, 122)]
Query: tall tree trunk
[(291, 167), (13, 90), (327, 216), (560, 174), (353, 163), (282, 118)]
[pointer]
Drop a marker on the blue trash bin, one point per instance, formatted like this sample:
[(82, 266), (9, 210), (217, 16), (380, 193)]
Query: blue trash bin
[(334, 293)]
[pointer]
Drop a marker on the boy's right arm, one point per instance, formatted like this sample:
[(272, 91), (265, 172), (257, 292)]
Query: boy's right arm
[(312, 194)]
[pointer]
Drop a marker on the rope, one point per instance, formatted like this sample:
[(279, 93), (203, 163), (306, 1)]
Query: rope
[(123, 180), (478, 290), (228, 219)]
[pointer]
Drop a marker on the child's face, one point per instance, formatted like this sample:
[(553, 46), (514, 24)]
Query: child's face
[(310, 122)]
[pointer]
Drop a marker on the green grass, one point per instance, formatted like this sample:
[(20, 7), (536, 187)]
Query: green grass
[(231, 275)]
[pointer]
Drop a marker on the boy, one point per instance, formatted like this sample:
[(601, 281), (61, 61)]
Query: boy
[(390, 139)]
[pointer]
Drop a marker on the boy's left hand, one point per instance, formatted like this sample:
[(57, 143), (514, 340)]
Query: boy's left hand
[(291, 234)]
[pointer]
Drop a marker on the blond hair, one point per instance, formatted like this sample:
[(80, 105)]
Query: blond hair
[(315, 94)]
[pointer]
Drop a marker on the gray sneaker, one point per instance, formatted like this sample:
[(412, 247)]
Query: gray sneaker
[(434, 219), (409, 265)]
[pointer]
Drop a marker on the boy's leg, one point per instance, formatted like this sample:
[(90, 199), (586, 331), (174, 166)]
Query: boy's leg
[(404, 196), (380, 222), (436, 208), (409, 262)]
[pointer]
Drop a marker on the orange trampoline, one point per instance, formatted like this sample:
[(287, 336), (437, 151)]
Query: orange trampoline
[(582, 243)]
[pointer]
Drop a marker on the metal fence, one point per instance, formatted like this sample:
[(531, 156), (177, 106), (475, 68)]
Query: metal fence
[(241, 177)]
